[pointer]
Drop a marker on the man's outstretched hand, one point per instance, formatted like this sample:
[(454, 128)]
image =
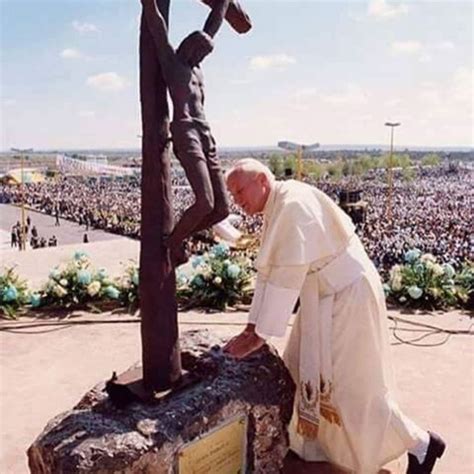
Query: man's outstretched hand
[(244, 344)]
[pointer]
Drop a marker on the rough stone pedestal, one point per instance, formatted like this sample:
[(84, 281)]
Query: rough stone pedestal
[(96, 437)]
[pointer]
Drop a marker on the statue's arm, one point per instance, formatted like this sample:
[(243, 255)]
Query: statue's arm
[(235, 15), (216, 17), (159, 31)]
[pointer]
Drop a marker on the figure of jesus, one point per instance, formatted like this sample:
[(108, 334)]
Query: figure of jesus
[(193, 143)]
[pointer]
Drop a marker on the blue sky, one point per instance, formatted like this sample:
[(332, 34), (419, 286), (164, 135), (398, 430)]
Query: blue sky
[(308, 71)]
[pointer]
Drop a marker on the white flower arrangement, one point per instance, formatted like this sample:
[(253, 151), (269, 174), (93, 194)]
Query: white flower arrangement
[(219, 279), (75, 284), (422, 282)]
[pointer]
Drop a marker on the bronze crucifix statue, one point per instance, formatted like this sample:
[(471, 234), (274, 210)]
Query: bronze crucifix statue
[(161, 68)]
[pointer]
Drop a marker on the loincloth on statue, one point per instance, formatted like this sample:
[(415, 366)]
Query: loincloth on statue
[(192, 140)]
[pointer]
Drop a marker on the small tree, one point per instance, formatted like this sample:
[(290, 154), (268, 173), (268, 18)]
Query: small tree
[(335, 170), (290, 163), (431, 159), (275, 163), (409, 174)]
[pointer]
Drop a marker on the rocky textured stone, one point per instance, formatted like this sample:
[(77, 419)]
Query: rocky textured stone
[(97, 437)]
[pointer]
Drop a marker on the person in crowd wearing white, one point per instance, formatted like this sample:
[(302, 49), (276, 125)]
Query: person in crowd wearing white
[(338, 352)]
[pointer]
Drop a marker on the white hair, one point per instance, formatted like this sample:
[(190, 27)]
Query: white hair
[(250, 166)]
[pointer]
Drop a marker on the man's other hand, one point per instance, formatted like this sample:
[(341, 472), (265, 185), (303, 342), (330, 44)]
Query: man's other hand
[(244, 344)]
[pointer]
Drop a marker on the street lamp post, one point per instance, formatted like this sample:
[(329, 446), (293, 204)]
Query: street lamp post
[(22, 188), (299, 148), (392, 125)]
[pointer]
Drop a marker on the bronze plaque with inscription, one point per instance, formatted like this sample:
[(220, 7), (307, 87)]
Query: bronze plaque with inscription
[(219, 451)]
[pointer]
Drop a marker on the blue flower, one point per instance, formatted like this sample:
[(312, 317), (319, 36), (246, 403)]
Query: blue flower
[(198, 281), (220, 250), (102, 273), (196, 261), (80, 254), (448, 270), (135, 278), (415, 292), (112, 292), (412, 255), (10, 293), (233, 270), (84, 277), (35, 300)]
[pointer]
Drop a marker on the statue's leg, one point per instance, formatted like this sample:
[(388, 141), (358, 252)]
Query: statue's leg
[(188, 150), (221, 198)]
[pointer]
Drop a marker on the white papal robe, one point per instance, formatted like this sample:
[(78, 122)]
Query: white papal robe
[(338, 352)]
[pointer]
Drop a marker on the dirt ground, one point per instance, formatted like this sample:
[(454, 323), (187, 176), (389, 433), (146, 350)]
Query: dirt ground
[(46, 369)]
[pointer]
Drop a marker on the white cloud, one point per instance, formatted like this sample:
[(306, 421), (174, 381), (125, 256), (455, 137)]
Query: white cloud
[(107, 81), (83, 27), (9, 102), (272, 61), (424, 52), (380, 9), (71, 53), (406, 47), (351, 95)]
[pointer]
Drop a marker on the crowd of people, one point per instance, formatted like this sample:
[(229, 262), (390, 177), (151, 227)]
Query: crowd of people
[(433, 212)]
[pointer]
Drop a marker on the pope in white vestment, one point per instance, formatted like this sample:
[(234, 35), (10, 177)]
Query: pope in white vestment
[(338, 352)]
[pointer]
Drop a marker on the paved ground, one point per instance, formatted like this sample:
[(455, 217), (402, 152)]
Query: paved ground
[(67, 233), (45, 370), (35, 265)]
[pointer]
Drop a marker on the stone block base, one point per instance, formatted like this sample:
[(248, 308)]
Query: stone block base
[(97, 437)]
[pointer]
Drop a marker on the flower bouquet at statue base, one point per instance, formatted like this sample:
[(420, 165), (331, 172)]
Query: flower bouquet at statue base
[(216, 280), (421, 282), (77, 285)]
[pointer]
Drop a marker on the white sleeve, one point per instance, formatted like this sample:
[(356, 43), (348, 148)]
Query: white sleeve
[(257, 299), (277, 298)]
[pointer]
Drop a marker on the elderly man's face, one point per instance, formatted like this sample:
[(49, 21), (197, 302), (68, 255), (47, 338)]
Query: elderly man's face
[(249, 190)]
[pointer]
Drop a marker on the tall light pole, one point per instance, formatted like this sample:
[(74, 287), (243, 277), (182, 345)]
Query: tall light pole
[(22, 188), (392, 125), (300, 149)]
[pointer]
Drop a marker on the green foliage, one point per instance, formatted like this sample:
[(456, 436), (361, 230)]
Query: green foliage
[(13, 293), (219, 280), (275, 163), (409, 174), (464, 280), (128, 286), (404, 161), (290, 163), (421, 282), (335, 170), (431, 159), (314, 169)]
